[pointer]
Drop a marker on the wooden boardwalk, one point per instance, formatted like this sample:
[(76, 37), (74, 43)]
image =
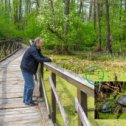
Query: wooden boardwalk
[(13, 112)]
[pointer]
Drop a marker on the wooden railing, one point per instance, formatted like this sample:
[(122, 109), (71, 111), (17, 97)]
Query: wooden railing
[(84, 89), (83, 86), (8, 47)]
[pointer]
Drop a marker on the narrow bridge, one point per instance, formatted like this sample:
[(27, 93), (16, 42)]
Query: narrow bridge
[(13, 112)]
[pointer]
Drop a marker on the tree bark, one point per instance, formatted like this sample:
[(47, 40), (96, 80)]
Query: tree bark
[(20, 10), (16, 12), (125, 4), (52, 6), (108, 35), (80, 6), (99, 26), (66, 27), (90, 9), (94, 14), (28, 7), (38, 2)]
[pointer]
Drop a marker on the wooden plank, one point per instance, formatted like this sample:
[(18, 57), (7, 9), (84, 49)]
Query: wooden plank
[(45, 118), (81, 113), (53, 98), (11, 95), (72, 78), (24, 124), (63, 113), (13, 105), (82, 97), (10, 55), (11, 88), (13, 112), (45, 98), (18, 110), (10, 100), (19, 117), (10, 92), (10, 82)]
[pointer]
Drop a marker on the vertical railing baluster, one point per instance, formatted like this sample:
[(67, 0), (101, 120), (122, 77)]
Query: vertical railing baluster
[(53, 75), (82, 97), (41, 79)]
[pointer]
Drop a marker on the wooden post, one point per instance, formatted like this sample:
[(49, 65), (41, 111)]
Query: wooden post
[(53, 99), (82, 97), (41, 79), (13, 46)]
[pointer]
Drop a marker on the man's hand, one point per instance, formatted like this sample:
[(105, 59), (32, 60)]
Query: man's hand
[(51, 59)]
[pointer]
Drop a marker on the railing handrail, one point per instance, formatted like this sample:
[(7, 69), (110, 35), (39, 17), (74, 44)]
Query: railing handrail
[(8, 48), (84, 88), (73, 78), (63, 113), (81, 113)]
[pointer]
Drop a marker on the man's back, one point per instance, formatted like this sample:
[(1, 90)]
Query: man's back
[(31, 59)]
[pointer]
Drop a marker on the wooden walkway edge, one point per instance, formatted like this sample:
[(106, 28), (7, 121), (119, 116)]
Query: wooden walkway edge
[(13, 112)]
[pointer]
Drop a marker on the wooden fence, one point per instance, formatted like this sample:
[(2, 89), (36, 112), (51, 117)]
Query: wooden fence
[(84, 89), (8, 47)]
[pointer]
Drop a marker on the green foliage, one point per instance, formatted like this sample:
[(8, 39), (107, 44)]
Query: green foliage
[(7, 28), (32, 28), (49, 21)]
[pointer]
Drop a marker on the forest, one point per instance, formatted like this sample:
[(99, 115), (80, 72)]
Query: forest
[(67, 25), (78, 35)]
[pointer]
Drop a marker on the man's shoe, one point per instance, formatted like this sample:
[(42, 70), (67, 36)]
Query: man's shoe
[(31, 104), (35, 101)]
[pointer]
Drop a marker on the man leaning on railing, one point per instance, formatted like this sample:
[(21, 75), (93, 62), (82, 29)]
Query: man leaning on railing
[(29, 65)]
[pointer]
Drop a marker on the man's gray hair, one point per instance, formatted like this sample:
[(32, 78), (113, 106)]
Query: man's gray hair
[(38, 39)]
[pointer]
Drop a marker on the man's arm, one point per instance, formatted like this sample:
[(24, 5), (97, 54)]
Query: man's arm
[(39, 58), (41, 54)]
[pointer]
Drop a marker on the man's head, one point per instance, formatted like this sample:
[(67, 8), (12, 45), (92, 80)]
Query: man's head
[(38, 42)]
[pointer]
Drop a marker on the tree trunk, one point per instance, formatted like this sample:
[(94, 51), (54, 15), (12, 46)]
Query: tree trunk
[(20, 10), (95, 14), (16, 14), (6, 8), (66, 28), (108, 36), (90, 10), (120, 18), (9, 2), (38, 2), (52, 6), (80, 6), (125, 4), (28, 7), (99, 26)]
